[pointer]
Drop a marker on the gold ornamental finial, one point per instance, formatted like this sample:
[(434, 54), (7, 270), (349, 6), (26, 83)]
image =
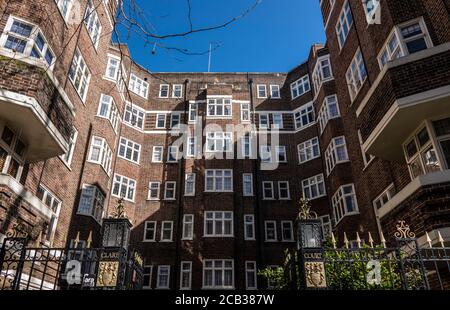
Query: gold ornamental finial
[(119, 212), (77, 240), (440, 239), (333, 240), (305, 210), (383, 241), (358, 240), (371, 240), (39, 240), (403, 231), (89, 240), (430, 243), (346, 242)]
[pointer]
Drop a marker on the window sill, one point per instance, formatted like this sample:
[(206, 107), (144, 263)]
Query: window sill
[(149, 241)]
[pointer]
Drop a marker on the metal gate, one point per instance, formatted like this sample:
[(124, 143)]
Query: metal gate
[(28, 268), (359, 265)]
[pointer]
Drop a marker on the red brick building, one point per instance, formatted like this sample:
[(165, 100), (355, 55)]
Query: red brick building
[(361, 129)]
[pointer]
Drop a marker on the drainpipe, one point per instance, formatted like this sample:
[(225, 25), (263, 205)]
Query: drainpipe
[(181, 174), (259, 223)]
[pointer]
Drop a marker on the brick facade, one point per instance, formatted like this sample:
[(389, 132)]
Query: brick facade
[(55, 92)]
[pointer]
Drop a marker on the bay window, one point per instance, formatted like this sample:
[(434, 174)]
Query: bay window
[(92, 202)]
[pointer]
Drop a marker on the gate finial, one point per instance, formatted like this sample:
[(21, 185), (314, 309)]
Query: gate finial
[(305, 210), (371, 240), (403, 231), (119, 212)]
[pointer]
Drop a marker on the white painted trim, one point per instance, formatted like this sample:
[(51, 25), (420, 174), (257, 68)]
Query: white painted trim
[(32, 104), (400, 62), (412, 187), (405, 102), (22, 192)]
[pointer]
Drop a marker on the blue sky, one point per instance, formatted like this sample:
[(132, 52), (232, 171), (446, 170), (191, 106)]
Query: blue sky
[(275, 37)]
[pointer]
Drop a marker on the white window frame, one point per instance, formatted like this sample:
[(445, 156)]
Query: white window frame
[(275, 238), (112, 112), (308, 149), (184, 270), (384, 197), (344, 19), (188, 219), (174, 90), (226, 104), (264, 183), (191, 142), (161, 89), (325, 115), (253, 270), (158, 116), (305, 111), (163, 228), (54, 205), (286, 188), (275, 88), (339, 203), (249, 223), (150, 188), (31, 50), (128, 145), (215, 172), (223, 220), (318, 76), (168, 184), (92, 23), (367, 158), (244, 181), (219, 138), (264, 121), (158, 282), (146, 228), (172, 151), (149, 274), (114, 68), (65, 7), (355, 76), (11, 153), (331, 154), (138, 86), (173, 116), (391, 52), (291, 229), (129, 188), (326, 226), (214, 273), (186, 193), (79, 68), (266, 153), (277, 124), (96, 202), (316, 182), (300, 87), (280, 150), (68, 156), (245, 108), (136, 114), (154, 159), (261, 88), (193, 112), (104, 155)]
